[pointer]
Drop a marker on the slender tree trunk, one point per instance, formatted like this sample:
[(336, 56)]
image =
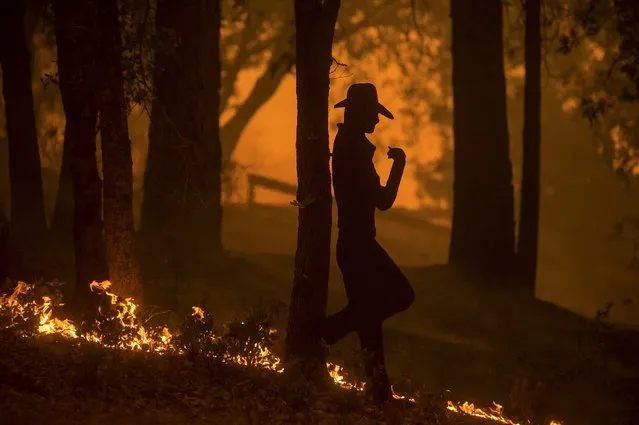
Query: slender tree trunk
[(527, 244), (482, 239), (181, 209), (28, 222), (62, 220), (315, 25), (117, 163), (75, 31)]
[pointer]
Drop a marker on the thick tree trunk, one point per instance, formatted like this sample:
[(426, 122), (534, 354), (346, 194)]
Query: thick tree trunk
[(482, 239), (315, 25), (181, 209), (527, 244), (117, 163), (75, 31), (28, 222)]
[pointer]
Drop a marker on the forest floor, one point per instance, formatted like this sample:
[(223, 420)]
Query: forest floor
[(483, 344), (61, 382), (457, 341), (535, 350)]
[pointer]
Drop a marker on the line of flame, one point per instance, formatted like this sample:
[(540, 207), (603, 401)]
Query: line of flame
[(160, 343), (493, 413)]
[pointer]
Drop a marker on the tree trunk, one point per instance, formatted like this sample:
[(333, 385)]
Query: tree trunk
[(482, 239), (527, 243), (181, 209), (28, 222), (75, 31), (315, 26), (117, 163), (62, 220)]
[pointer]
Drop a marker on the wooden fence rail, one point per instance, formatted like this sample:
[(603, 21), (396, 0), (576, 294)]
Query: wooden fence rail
[(256, 180)]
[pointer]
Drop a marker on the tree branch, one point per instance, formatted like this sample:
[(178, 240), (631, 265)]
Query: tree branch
[(244, 55), (280, 63), (278, 66), (233, 69)]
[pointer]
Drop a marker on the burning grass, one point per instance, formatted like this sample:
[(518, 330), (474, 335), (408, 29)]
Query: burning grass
[(194, 367)]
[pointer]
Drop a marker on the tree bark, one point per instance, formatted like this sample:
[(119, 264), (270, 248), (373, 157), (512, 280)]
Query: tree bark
[(75, 31), (117, 163), (482, 237), (315, 26), (527, 244), (181, 209), (28, 221)]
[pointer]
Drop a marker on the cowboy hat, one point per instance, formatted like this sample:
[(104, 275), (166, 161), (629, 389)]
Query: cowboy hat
[(362, 94)]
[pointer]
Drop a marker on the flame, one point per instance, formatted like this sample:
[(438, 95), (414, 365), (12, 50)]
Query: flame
[(494, 413), (336, 372), (160, 341), (198, 312), (53, 325)]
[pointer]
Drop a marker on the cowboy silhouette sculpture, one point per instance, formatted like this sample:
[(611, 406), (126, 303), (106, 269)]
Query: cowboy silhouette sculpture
[(375, 287)]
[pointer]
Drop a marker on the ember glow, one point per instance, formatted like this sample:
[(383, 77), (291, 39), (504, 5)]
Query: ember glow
[(138, 337), (336, 372), (494, 413)]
